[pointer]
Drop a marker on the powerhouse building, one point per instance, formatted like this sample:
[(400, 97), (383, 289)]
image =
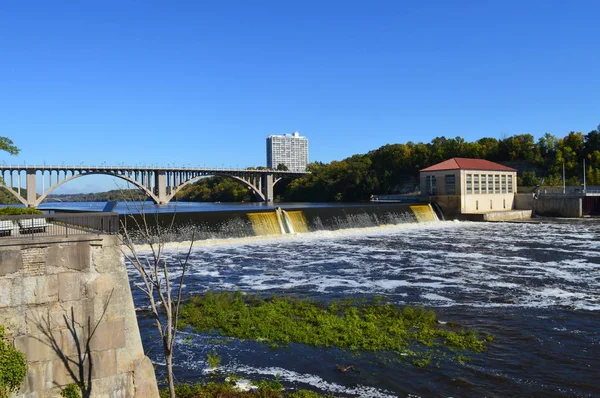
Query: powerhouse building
[(470, 185), (290, 150)]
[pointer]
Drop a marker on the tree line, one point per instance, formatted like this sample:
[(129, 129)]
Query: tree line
[(394, 168), (119, 195)]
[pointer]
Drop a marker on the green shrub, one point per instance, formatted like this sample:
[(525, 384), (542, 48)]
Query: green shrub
[(71, 391), (269, 385), (16, 211), (213, 359), (13, 367)]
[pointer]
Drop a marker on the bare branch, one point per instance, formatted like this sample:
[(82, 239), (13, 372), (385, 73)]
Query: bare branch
[(154, 271)]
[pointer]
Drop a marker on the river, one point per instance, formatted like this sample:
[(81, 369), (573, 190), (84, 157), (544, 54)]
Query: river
[(184, 207), (534, 287)]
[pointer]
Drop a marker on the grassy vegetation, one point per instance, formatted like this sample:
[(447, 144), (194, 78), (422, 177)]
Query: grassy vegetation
[(263, 389), (407, 332), (14, 211)]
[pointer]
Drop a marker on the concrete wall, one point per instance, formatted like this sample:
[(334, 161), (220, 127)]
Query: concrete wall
[(485, 203), (450, 205), (558, 206), (46, 284), (524, 201), (507, 215)]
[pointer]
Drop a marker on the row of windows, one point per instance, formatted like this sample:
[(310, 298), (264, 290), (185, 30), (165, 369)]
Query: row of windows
[(475, 184), (489, 183)]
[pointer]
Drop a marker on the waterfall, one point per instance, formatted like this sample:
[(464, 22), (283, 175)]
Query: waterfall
[(280, 222), (265, 223), (297, 220), (424, 213)]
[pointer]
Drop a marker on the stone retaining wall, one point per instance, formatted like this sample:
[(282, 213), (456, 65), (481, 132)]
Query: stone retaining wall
[(53, 292)]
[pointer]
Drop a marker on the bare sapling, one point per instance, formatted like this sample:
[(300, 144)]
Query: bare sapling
[(156, 271)]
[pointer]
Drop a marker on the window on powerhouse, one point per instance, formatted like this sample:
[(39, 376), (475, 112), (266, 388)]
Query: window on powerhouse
[(450, 184), (431, 185), (469, 184)]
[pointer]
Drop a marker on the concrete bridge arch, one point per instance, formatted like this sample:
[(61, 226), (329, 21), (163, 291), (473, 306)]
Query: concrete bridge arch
[(160, 184), (123, 177)]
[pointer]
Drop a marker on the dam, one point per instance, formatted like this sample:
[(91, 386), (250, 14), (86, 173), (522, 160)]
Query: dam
[(277, 221)]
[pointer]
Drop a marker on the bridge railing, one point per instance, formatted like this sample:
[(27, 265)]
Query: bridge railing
[(32, 226), (62, 167)]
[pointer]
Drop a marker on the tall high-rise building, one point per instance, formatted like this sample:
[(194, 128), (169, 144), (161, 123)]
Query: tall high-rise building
[(290, 150)]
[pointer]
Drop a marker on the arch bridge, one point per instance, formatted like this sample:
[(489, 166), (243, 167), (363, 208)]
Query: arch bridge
[(161, 184)]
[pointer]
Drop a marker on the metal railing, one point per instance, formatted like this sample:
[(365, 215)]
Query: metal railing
[(32, 226), (570, 194)]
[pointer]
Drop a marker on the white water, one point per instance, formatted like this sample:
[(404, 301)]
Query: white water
[(487, 268), (436, 264)]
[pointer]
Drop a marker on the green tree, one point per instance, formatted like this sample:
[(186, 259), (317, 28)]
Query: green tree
[(592, 141), (8, 146), (528, 179), (547, 146), (518, 147), (489, 148)]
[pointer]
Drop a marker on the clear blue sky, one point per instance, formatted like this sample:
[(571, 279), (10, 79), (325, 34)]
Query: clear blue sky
[(204, 83)]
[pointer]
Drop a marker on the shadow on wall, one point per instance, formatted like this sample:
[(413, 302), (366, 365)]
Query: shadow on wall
[(76, 356)]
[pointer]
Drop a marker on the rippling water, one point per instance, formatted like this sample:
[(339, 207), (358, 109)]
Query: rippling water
[(535, 287)]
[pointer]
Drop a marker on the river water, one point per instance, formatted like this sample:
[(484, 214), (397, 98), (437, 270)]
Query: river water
[(185, 207), (534, 287)]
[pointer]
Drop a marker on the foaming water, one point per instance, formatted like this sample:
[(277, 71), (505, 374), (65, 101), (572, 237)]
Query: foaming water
[(533, 286)]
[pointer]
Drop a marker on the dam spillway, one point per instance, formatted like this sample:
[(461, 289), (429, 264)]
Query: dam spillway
[(280, 221)]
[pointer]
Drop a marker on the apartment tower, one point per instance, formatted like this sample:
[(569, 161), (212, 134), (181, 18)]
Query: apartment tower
[(290, 150)]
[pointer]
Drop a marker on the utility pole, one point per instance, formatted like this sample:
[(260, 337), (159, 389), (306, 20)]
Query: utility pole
[(564, 182), (583, 175)]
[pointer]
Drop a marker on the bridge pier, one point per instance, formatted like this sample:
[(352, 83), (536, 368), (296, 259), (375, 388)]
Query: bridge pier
[(266, 181), (30, 185), (160, 184)]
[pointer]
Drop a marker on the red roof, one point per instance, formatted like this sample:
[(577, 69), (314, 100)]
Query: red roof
[(467, 164)]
